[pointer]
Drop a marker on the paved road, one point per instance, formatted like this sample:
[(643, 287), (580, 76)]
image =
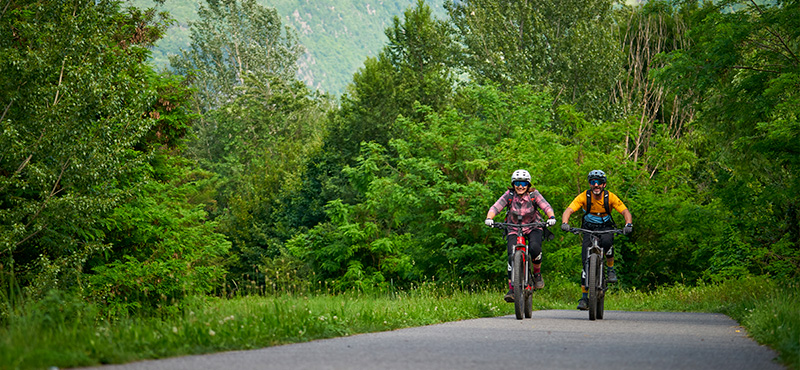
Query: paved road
[(554, 339)]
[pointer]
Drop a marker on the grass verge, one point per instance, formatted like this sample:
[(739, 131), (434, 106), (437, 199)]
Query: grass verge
[(61, 331)]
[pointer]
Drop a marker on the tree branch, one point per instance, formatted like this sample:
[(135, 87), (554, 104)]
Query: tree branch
[(755, 69), (60, 78), (780, 39), (4, 9)]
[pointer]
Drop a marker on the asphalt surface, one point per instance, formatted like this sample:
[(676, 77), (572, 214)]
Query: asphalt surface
[(553, 339)]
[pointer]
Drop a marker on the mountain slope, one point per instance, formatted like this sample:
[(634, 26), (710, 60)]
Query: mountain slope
[(338, 34)]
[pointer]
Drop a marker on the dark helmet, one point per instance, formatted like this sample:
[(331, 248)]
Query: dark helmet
[(597, 175)]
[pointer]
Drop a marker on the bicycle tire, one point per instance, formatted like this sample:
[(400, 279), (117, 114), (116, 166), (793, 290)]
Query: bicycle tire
[(528, 304), (601, 300), (591, 284), (518, 282)]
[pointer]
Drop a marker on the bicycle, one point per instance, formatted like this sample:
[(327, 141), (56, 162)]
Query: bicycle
[(521, 282), (596, 282)]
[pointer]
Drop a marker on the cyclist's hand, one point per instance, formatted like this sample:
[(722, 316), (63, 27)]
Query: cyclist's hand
[(551, 221), (565, 226), (489, 222), (627, 229)]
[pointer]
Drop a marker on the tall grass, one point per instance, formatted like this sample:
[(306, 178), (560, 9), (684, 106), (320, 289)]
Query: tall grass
[(63, 331)]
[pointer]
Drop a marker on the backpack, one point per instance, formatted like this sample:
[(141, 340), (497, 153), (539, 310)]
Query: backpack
[(606, 204)]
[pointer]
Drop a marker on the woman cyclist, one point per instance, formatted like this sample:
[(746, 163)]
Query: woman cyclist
[(523, 203)]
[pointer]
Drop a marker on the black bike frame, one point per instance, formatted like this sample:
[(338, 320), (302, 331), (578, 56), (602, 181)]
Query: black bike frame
[(599, 286)]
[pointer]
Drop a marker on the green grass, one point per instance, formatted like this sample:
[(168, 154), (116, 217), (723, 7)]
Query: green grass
[(64, 332)]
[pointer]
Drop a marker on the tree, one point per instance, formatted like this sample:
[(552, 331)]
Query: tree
[(414, 67), (647, 32), (74, 106), (745, 63), (566, 46), (231, 39), (259, 123)]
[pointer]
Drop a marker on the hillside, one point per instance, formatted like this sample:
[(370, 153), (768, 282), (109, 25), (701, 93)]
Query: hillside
[(338, 34)]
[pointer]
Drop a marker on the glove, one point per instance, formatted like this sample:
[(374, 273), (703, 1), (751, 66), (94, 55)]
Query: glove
[(489, 222), (627, 229), (551, 221), (565, 226)]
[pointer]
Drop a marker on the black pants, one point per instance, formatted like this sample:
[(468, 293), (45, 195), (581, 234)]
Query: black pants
[(606, 243), (534, 241)]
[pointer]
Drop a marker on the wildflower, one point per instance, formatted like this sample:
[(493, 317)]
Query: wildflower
[(211, 332), (175, 330)]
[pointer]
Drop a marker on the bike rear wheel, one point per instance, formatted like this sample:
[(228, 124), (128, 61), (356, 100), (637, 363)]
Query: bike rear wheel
[(601, 300), (529, 300), (591, 284), (518, 282)]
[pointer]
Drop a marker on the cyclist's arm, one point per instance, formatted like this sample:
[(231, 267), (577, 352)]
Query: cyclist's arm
[(565, 216), (577, 203), (628, 216), (543, 204), (497, 206), (620, 207)]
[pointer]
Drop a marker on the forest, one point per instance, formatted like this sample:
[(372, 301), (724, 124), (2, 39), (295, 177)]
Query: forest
[(136, 189), (336, 34)]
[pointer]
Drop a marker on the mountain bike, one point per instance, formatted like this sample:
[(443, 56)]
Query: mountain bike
[(596, 282), (521, 276)]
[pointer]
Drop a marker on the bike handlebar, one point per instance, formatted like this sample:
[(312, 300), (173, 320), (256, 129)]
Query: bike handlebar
[(506, 225), (576, 230)]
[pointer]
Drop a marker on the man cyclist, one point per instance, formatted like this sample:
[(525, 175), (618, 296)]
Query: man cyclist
[(523, 202), (597, 203)]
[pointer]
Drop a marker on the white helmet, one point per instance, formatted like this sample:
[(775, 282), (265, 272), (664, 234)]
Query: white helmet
[(520, 175)]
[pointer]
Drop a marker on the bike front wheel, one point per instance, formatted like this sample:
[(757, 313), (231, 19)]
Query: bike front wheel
[(518, 282), (592, 284), (602, 290)]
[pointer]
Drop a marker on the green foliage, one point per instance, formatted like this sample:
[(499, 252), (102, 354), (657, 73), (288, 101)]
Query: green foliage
[(259, 125), (74, 104), (567, 46), (412, 68), (164, 247), (230, 40), (338, 35), (424, 196), (744, 62)]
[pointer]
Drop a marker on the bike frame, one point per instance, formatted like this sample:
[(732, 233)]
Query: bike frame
[(595, 273), (523, 289), (522, 245)]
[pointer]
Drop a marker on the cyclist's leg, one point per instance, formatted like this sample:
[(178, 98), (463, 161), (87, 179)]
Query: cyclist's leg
[(535, 250), (535, 246), (587, 242), (607, 243)]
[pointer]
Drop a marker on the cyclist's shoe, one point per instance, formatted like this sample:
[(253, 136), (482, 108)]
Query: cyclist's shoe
[(509, 296), (583, 304), (612, 275), (538, 283)]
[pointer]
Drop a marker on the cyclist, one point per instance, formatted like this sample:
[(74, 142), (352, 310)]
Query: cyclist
[(597, 216), (523, 203)]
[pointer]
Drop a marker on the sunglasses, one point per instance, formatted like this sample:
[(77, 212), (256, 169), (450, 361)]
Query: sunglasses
[(520, 183), (596, 182)]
